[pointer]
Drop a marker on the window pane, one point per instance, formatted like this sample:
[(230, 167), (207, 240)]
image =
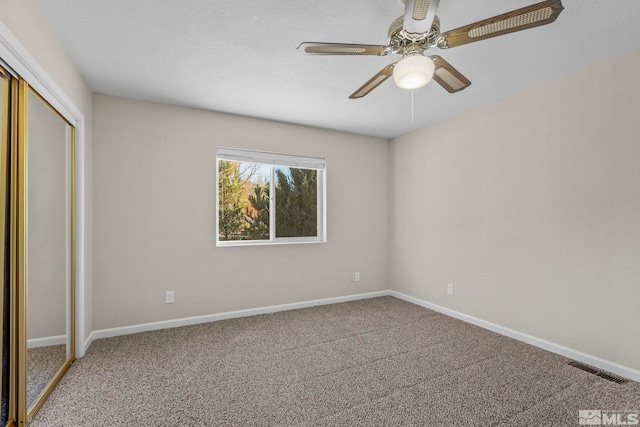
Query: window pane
[(296, 202), (243, 197)]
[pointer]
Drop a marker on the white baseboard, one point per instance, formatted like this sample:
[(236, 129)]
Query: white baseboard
[(46, 341), (603, 364), (86, 344), (174, 323), (623, 371)]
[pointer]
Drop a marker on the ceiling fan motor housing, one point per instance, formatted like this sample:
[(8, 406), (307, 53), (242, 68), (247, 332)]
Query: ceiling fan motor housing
[(399, 39)]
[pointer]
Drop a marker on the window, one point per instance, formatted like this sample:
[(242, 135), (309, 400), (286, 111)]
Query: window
[(265, 198)]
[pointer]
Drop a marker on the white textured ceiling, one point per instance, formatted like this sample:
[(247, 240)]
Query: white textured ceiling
[(240, 57)]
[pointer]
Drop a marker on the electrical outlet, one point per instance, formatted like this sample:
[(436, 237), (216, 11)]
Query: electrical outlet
[(450, 289), (169, 297), (356, 276)]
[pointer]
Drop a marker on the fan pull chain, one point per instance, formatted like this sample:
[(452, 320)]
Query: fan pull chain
[(411, 106)]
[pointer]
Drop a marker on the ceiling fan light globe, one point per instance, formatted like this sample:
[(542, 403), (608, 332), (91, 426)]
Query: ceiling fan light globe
[(413, 72)]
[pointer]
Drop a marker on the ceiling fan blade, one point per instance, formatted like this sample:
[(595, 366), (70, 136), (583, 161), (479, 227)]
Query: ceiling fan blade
[(448, 77), (527, 17), (374, 82), (419, 15), (343, 49)]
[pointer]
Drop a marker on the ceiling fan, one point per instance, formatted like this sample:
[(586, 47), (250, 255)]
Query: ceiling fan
[(418, 30)]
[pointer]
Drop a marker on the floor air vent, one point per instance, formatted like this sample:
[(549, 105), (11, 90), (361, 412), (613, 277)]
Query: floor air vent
[(601, 374), (610, 377)]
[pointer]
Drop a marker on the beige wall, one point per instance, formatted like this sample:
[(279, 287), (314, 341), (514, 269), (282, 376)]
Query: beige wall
[(25, 21), (155, 216), (531, 208)]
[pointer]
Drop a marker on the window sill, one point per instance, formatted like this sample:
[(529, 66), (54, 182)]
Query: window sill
[(236, 243)]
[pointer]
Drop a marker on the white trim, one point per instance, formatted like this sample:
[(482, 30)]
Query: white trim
[(80, 240), (276, 241), (25, 65), (67, 240), (8, 69), (134, 329), (266, 158), (606, 365), (86, 343), (322, 203), (46, 341)]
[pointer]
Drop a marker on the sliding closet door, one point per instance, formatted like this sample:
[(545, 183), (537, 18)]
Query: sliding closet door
[(7, 337), (37, 252), (45, 169)]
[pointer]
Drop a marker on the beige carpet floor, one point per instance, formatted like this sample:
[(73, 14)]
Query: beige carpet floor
[(42, 365), (376, 362)]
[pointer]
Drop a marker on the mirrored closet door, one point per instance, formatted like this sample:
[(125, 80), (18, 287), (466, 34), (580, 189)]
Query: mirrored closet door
[(48, 264), (37, 207), (8, 85)]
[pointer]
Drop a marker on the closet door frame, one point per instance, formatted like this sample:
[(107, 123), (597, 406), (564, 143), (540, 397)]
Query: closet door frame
[(26, 413), (18, 58), (8, 139)]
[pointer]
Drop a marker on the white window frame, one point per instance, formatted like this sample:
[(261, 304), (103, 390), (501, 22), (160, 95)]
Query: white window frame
[(275, 159)]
